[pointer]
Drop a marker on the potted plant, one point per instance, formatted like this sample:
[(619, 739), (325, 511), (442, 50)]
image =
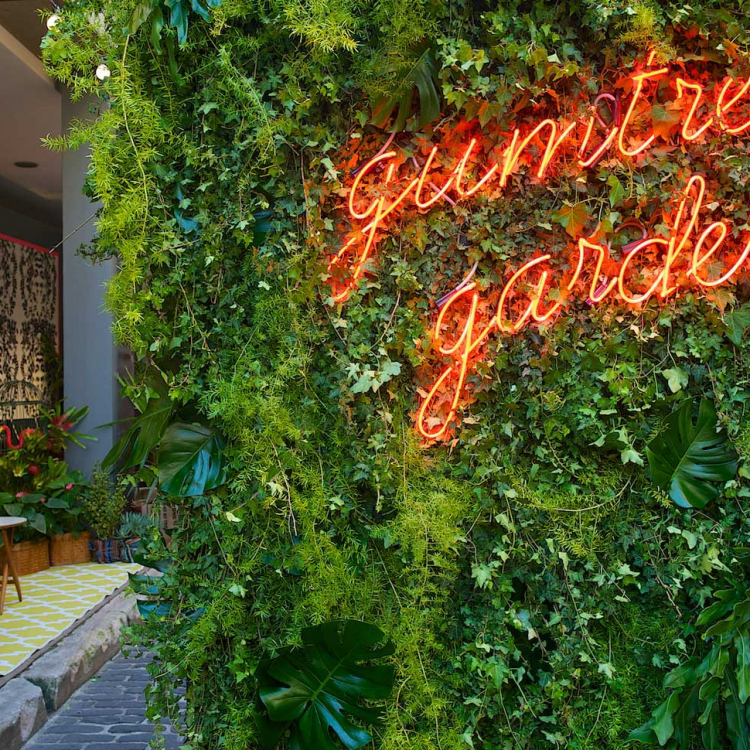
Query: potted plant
[(37, 485), (104, 503), (134, 527)]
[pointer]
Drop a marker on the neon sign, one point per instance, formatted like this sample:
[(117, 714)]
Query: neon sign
[(693, 251)]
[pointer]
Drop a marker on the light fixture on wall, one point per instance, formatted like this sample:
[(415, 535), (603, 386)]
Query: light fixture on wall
[(25, 164)]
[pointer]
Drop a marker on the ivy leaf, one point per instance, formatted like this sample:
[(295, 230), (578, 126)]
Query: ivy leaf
[(677, 379), (311, 689), (191, 460), (572, 218), (685, 458), (665, 119), (737, 321), (616, 190), (420, 73)]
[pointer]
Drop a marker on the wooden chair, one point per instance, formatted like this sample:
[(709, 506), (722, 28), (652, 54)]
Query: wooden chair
[(8, 525)]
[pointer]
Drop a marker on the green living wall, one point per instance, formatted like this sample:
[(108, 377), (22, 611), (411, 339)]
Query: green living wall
[(566, 565)]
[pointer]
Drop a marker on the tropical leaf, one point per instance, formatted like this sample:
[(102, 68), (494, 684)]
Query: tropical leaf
[(144, 433), (190, 460), (686, 458), (313, 689), (140, 15), (420, 74)]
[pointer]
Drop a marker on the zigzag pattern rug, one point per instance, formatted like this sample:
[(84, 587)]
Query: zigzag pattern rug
[(52, 601)]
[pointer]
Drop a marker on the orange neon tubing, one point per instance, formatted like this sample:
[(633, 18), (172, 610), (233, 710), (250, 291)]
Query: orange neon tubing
[(362, 172), (698, 263), (674, 248), (602, 254), (381, 213), (696, 87), (640, 78), (722, 109), (469, 345), (473, 344), (420, 184), (536, 300), (637, 300), (423, 430), (601, 149), (364, 255), (515, 327), (514, 152), (460, 173)]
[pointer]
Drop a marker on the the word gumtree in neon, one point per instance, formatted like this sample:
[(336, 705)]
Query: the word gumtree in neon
[(694, 249)]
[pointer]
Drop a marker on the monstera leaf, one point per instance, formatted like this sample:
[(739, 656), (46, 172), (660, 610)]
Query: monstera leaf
[(419, 73), (145, 431), (313, 689), (190, 460), (685, 458), (708, 703)]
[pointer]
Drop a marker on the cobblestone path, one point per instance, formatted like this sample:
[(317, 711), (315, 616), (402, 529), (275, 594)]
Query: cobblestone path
[(107, 713)]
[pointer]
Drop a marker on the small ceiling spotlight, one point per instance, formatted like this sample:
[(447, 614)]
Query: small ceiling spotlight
[(102, 72), (25, 164), (53, 20)]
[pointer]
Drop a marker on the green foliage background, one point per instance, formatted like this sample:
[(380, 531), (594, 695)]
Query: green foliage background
[(535, 584)]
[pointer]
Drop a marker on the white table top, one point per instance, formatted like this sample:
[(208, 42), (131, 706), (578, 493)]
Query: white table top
[(8, 522)]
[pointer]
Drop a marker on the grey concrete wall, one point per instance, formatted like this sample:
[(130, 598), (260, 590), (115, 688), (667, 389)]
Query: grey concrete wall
[(89, 355), (28, 229)]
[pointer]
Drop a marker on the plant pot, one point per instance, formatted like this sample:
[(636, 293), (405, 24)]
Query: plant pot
[(69, 549), (106, 550), (29, 557), (130, 548)]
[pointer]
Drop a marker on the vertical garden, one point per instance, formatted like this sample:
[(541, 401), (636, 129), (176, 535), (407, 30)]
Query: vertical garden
[(440, 309)]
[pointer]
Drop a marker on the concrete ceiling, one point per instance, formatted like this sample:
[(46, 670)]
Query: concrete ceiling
[(21, 19), (31, 111)]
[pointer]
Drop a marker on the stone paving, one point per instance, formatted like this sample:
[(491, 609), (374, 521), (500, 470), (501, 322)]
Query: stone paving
[(107, 713)]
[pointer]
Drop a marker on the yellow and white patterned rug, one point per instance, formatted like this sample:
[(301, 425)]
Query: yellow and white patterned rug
[(52, 601)]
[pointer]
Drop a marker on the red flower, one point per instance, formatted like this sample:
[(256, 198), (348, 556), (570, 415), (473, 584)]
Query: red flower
[(69, 486), (62, 422), (21, 494), (43, 500), (33, 469)]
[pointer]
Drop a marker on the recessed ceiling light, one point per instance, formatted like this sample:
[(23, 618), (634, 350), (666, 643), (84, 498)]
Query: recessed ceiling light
[(26, 164)]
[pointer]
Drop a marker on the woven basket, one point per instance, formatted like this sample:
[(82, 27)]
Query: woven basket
[(68, 549), (29, 557)]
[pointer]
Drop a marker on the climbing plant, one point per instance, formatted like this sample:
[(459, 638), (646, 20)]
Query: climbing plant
[(535, 573)]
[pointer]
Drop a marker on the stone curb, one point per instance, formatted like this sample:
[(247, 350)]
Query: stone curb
[(26, 701), (23, 712), (83, 653)]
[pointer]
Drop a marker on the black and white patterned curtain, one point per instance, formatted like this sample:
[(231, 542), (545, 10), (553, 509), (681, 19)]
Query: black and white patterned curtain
[(29, 335)]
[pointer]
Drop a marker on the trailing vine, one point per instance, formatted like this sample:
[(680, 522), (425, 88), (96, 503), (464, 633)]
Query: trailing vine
[(535, 584)]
